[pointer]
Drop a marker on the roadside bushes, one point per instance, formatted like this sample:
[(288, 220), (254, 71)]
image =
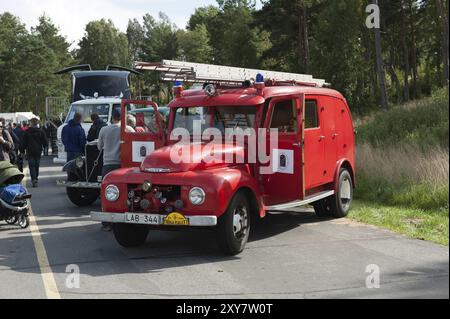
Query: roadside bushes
[(422, 122), (402, 156)]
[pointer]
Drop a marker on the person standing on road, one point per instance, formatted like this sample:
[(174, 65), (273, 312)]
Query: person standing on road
[(109, 142), (74, 138), (34, 141), (97, 125), (6, 143), (47, 131)]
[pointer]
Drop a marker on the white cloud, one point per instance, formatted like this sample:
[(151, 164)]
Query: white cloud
[(72, 15)]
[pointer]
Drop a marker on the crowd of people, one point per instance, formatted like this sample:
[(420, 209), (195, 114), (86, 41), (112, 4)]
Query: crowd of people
[(25, 141)]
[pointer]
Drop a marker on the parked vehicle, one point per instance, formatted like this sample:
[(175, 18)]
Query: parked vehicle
[(84, 174), (94, 91), (98, 92), (313, 162), (14, 198)]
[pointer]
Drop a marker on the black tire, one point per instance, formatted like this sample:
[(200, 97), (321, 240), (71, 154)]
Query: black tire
[(232, 240), (81, 196), (338, 205), (130, 236), (23, 221)]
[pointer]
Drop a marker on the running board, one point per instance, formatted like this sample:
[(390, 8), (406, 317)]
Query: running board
[(297, 203)]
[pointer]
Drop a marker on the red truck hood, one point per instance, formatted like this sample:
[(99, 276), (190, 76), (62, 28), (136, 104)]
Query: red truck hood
[(200, 157)]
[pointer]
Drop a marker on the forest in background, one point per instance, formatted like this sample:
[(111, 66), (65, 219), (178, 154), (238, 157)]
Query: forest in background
[(326, 38)]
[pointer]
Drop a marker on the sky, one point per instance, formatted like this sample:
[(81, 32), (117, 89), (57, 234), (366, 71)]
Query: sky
[(72, 15)]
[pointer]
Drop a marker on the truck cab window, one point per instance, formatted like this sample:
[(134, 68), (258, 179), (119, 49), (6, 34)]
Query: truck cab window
[(311, 114), (284, 117)]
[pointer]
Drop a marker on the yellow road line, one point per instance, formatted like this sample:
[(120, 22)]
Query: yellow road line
[(51, 289)]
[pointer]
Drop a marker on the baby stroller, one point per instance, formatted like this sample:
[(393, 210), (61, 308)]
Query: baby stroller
[(14, 204)]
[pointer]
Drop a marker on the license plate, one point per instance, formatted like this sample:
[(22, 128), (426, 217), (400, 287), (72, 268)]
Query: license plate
[(176, 219), (145, 219)]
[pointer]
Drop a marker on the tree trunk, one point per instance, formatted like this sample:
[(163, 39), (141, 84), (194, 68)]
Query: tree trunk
[(405, 55), (413, 50), (305, 39), (443, 17), (380, 70), (300, 38)]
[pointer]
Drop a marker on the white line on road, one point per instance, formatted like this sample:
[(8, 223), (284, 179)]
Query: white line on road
[(51, 289)]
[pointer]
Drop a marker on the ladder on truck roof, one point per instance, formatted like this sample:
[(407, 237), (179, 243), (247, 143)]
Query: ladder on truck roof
[(202, 73)]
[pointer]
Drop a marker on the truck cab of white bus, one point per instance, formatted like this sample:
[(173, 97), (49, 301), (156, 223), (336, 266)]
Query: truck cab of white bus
[(103, 106), (94, 91)]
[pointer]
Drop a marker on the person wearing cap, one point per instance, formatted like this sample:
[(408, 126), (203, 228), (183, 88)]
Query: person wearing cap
[(33, 142), (97, 125)]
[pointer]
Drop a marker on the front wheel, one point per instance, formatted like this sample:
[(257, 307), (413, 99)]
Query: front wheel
[(234, 226), (339, 204), (82, 196), (24, 221), (130, 236)]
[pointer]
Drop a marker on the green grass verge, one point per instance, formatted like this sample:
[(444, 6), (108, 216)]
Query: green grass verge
[(430, 225)]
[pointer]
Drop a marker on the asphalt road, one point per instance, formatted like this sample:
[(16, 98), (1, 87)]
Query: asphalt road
[(292, 255)]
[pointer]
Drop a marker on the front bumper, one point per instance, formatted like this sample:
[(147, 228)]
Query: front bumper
[(78, 184), (196, 221)]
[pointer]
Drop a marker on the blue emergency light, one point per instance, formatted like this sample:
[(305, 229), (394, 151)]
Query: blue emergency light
[(259, 78)]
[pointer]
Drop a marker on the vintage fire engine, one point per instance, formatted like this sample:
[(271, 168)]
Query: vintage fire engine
[(312, 163)]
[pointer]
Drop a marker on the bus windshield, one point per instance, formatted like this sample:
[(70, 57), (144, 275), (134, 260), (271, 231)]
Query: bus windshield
[(87, 109)]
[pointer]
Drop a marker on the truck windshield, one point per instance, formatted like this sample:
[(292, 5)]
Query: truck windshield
[(87, 109), (220, 117)]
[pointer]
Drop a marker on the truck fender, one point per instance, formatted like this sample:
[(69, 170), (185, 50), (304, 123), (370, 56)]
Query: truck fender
[(252, 192), (71, 167), (343, 163)]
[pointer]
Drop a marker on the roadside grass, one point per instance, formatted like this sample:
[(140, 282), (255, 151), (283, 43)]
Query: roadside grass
[(402, 169), (430, 225), (403, 175)]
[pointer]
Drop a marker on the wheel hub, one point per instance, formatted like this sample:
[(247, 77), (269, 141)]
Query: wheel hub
[(345, 193), (240, 221)]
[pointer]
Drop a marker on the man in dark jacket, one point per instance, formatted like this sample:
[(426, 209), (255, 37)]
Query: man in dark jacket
[(34, 140), (97, 124), (74, 138)]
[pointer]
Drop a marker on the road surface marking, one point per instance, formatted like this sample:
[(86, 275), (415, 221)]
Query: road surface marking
[(51, 289)]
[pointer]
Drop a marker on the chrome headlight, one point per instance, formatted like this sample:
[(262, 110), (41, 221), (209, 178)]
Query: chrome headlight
[(197, 196), (112, 193), (79, 162)]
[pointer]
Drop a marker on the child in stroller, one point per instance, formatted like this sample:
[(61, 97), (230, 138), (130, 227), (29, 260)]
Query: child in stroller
[(14, 204)]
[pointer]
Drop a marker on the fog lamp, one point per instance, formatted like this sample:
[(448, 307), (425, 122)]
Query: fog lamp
[(145, 204), (179, 204), (146, 186)]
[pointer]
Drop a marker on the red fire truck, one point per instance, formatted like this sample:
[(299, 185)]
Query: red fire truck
[(311, 163)]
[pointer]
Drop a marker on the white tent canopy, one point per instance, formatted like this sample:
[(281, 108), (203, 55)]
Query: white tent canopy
[(18, 117)]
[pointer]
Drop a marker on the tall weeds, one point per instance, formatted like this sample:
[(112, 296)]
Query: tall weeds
[(403, 175), (402, 156)]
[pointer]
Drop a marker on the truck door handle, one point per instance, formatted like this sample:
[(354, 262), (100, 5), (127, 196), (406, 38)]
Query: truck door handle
[(335, 135), (321, 138), (297, 144)]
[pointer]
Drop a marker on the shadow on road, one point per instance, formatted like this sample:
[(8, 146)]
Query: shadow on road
[(75, 240)]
